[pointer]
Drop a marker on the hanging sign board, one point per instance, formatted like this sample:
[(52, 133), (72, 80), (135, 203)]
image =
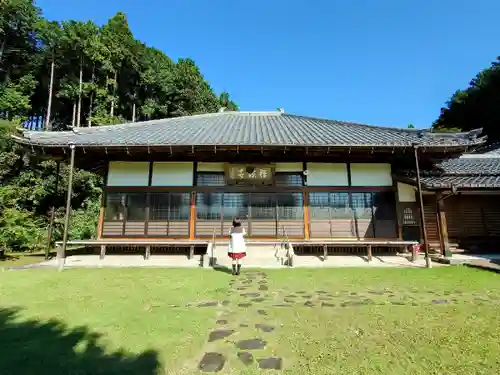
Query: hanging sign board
[(250, 174)]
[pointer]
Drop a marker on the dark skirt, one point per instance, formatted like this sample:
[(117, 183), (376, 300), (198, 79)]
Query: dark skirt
[(236, 255)]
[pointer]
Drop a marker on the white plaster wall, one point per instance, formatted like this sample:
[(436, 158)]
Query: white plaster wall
[(406, 193), (289, 167), (371, 174), (327, 174), (210, 167), (167, 173), (128, 173)]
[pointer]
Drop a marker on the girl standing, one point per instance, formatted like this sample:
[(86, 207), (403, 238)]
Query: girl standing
[(237, 245)]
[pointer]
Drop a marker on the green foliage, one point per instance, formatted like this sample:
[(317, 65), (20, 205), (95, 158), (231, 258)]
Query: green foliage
[(102, 75), (475, 107), (20, 230)]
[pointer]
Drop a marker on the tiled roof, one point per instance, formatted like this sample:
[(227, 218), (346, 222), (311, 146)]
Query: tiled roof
[(472, 170), (248, 129), (461, 182)]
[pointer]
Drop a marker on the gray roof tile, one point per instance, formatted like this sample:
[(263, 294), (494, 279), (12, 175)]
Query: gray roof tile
[(468, 171), (248, 128)]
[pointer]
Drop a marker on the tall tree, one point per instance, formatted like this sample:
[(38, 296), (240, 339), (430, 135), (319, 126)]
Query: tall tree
[(475, 107)]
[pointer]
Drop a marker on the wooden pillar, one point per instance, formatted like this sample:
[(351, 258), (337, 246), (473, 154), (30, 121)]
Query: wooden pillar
[(103, 252), (191, 252), (369, 253), (52, 214), (148, 252), (422, 213), (102, 210), (325, 252), (62, 250), (307, 233), (443, 228), (100, 223), (399, 212), (192, 216)]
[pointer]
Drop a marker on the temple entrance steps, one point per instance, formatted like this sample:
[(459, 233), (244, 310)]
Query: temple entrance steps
[(259, 255)]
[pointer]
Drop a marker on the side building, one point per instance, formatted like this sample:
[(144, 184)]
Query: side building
[(311, 179)]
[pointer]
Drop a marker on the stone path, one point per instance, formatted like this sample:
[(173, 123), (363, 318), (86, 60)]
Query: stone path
[(243, 333), (239, 340)]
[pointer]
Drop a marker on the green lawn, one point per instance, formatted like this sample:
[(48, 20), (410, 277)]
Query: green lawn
[(20, 259), (325, 321)]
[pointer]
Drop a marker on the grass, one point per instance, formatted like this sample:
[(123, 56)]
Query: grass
[(21, 259), (326, 321)]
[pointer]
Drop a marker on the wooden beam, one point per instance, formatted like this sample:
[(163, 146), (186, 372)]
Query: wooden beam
[(399, 212), (61, 254), (422, 212), (192, 216), (100, 222), (443, 228), (102, 211), (307, 229)]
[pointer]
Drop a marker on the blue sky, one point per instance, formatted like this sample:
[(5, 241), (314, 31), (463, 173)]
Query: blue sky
[(382, 62)]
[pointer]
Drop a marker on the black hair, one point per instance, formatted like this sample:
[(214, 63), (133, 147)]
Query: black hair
[(236, 222)]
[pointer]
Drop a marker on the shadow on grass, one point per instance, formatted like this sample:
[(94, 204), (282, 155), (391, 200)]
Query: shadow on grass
[(36, 347), (223, 269)]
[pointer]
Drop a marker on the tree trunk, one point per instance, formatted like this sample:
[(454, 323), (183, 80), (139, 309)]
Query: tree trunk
[(74, 114), (90, 110), (80, 95), (112, 113), (48, 125), (91, 98), (2, 48), (133, 112)]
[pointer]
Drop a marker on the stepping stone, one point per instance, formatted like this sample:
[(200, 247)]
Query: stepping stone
[(242, 288), (291, 296), (263, 287), (259, 299), (264, 327), (225, 302), (447, 293), (287, 300), (325, 304), (245, 357), (262, 312), (219, 334), (301, 292), (251, 344), (243, 325), (325, 298), (414, 304), (321, 292), (281, 305), (353, 303), (354, 294), (244, 304), (398, 303), (212, 362), (247, 282), (271, 363), (308, 296), (439, 301), (250, 294), (308, 304), (208, 304), (222, 321)]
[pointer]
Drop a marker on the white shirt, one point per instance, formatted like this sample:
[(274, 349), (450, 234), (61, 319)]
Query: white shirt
[(237, 241)]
